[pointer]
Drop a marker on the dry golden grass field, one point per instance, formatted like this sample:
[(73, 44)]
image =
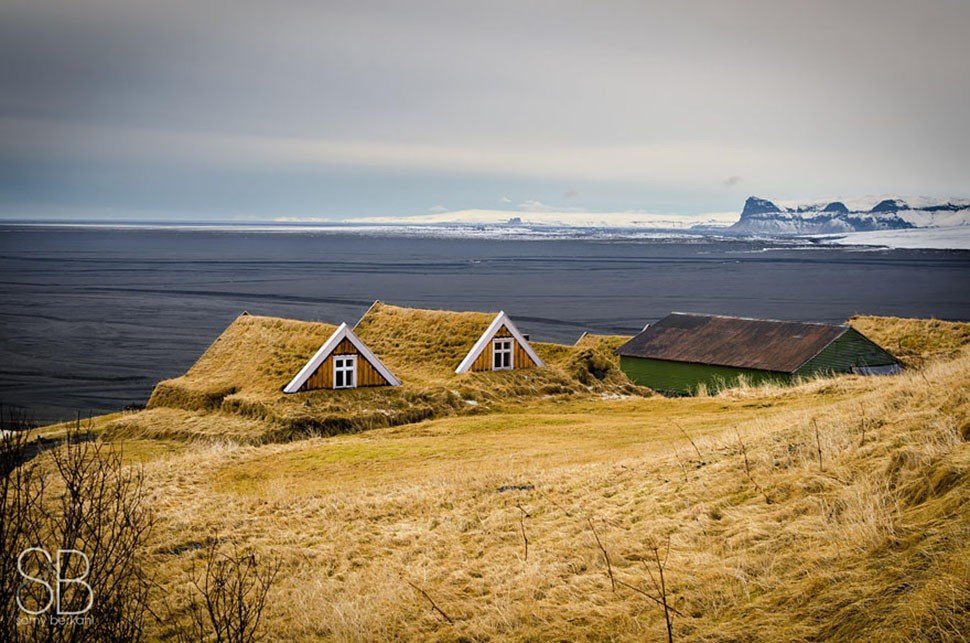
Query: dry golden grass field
[(838, 509)]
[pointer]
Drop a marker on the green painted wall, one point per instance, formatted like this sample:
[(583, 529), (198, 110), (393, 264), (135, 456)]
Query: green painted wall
[(683, 378), (851, 349)]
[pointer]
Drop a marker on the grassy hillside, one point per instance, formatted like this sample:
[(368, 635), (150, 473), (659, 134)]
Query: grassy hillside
[(834, 509)]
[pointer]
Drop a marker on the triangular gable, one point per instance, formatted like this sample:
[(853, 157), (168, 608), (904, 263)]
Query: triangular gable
[(343, 332), (500, 320)]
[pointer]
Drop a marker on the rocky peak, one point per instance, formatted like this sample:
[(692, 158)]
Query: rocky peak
[(890, 205), (754, 206)]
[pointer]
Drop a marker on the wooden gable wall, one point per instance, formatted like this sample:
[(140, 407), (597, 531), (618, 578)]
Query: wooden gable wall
[(322, 378), (520, 358)]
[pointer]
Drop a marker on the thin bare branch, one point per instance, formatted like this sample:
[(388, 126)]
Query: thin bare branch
[(691, 440), (525, 539), (818, 445), (606, 555), (556, 504), (663, 589), (434, 605), (747, 471), (647, 594)]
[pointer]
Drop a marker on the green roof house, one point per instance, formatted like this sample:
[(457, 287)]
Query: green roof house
[(684, 352)]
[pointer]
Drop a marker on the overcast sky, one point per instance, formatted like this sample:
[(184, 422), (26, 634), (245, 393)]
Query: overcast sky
[(207, 110)]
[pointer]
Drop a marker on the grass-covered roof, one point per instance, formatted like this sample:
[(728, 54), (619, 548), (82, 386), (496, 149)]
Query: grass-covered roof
[(421, 345), (254, 356)]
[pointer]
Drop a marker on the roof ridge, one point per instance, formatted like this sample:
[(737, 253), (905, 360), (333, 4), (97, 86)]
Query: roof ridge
[(762, 319), (288, 320), (489, 313)]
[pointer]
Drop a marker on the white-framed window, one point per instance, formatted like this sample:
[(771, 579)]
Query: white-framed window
[(502, 354), (345, 371)]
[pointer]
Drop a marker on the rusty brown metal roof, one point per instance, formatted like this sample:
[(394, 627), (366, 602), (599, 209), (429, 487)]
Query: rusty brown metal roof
[(739, 342)]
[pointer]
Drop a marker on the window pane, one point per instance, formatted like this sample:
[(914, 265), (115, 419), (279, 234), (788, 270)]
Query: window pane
[(502, 354)]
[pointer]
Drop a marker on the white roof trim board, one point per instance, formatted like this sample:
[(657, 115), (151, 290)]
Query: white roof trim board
[(500, 320), (366, 312), (342, 333)]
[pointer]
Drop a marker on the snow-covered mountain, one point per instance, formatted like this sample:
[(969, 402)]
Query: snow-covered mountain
[(833, 216)]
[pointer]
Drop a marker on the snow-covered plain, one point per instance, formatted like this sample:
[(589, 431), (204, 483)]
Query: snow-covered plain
[(944, 238), (565, 219)]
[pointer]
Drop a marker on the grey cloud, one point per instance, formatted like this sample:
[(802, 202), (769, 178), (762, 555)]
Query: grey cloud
[(820, 97)]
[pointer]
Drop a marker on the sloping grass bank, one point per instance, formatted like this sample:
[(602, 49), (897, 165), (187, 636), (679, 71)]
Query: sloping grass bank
[(831, 510)]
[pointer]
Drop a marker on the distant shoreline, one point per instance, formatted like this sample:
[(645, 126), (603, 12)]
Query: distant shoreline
[(942, 238)]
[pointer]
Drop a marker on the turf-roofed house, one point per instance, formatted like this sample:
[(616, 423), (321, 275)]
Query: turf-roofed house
[(342, 362), (684, 353)]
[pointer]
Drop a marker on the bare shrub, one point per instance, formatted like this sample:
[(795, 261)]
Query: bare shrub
[(660, 587), (230, 596), (88, 502), (15, 418), (21, 492)]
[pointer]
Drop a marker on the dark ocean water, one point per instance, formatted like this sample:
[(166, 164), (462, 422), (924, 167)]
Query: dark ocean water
[(91, 318)]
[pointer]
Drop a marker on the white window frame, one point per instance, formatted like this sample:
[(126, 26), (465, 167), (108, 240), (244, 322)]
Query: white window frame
[(346, 369), (508, 348)]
